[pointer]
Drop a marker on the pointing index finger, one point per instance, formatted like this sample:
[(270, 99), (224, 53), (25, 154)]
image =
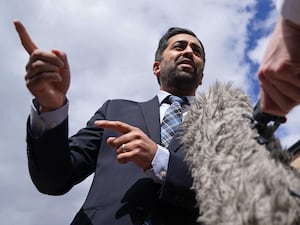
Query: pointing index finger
[(119, 126), (26, 41)]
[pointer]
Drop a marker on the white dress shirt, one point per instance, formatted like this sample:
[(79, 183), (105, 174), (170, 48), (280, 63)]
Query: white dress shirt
[(161, 159)]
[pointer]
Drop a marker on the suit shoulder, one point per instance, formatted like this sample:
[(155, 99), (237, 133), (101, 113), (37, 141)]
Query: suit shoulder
[(127, 101)]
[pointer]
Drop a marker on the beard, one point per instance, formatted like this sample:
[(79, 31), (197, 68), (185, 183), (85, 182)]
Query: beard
[(180, 78)]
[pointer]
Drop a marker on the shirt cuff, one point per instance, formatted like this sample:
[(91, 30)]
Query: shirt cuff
[(160, 162), (41, 122), (289, 10)]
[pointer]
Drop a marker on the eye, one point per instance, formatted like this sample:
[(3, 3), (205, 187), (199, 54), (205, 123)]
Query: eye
[(178, 47), (197, 51)]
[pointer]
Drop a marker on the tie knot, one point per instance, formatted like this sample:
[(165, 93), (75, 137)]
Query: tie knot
[(180, 100)]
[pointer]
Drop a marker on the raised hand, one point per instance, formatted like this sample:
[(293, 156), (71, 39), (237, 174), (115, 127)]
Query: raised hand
[(133, 145), (47, 73)]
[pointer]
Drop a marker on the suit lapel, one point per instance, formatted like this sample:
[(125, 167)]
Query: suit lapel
[(150, 111), (151, 114), (175, 143)]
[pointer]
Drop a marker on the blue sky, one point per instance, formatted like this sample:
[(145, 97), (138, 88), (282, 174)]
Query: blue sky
[(262, 13), (110, 46)]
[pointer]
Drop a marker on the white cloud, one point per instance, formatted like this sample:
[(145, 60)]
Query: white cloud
[(257, 54)]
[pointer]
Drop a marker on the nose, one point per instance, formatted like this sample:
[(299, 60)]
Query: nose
[(188, 49), (188, 52)]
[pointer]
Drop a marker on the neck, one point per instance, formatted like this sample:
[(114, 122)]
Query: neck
[(181, 92)]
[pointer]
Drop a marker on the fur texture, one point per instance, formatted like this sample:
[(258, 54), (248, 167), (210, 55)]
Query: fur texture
[(237, 181)]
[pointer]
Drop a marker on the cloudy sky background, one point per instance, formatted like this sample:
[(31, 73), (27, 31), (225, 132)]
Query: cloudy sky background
[(110, 46)]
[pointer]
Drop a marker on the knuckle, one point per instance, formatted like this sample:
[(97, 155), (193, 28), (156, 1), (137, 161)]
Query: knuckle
[(137, 133), (26, 77), (118, 123), (138, 146), (27, 67), (36, 54), (37, 65), (139, 142), (28, 84), (63, 54)]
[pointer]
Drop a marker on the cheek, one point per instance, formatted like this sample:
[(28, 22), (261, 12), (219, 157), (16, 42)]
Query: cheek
[(199, 64), (166, 64), (172, 56)]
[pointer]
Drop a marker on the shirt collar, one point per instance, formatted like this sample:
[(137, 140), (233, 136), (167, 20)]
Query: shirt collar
[(163, 94)]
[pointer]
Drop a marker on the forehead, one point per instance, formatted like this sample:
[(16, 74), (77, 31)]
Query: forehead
[(183, 37)]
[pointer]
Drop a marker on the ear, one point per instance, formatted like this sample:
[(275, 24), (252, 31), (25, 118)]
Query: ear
[(156, 68)]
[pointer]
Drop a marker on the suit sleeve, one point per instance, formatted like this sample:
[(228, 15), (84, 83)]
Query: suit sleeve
[(290, 9), (56, 162)]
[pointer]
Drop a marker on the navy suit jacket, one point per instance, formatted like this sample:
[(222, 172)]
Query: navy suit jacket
[(120, 193)]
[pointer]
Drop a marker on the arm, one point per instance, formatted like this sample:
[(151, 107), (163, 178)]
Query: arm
[(280, 69), (140, 149), (47, 78), (57, 162)]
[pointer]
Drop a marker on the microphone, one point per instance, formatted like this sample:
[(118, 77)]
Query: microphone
[(265, 123), (237, 177)]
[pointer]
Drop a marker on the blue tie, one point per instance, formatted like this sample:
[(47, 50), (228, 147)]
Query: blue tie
[(171, 120), (169, 125)]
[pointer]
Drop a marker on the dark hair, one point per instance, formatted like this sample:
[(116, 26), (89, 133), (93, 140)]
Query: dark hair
[(163, 42)]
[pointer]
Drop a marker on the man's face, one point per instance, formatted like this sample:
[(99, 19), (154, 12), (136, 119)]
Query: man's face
[(181, 67)]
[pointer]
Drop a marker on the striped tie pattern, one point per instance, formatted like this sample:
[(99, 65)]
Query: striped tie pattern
[(171, 120)]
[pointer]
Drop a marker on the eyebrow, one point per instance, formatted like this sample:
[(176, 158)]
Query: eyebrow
[(185, 41), (194, 45)]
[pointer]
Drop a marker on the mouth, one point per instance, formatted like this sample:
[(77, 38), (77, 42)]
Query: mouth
[(187, 63)]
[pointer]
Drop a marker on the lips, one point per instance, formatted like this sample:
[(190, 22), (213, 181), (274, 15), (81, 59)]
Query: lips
[(187, 62)]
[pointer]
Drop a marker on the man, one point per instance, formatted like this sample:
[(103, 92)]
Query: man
[(137, 180), (279, 73)]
